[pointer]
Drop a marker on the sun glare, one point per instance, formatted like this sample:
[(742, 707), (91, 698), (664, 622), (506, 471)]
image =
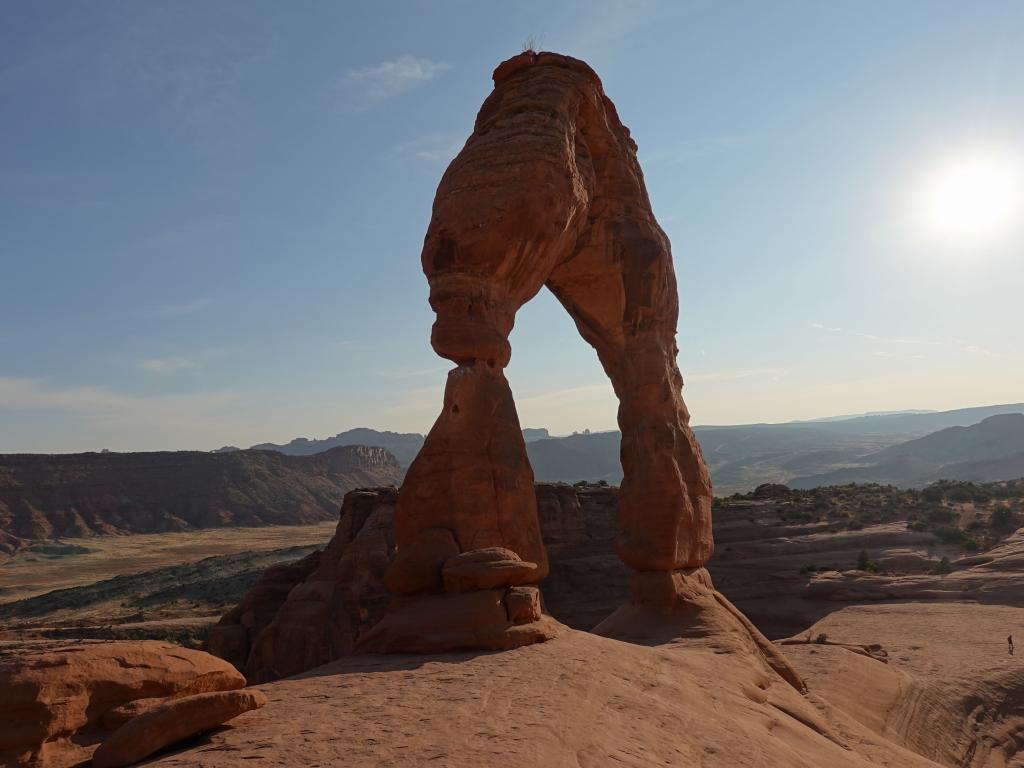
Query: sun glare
[(974, 199)]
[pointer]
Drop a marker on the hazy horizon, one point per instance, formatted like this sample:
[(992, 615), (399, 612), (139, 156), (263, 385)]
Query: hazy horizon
[(213, 213)]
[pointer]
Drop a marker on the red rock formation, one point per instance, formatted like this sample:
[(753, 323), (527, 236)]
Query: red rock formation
[(170, 722), (547, 191), (320, 608), (301, 616), (53, 705), (287, 621)]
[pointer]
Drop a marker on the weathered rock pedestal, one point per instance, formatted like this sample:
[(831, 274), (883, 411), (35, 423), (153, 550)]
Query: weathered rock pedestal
[(469, 547)]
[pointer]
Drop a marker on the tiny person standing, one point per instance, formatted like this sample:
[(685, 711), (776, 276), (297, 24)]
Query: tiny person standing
[(1009, 642)]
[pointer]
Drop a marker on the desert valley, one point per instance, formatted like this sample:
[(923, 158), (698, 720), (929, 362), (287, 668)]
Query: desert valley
[(811, 591)]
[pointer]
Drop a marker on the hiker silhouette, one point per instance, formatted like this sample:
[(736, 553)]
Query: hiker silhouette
[(1009, 642)]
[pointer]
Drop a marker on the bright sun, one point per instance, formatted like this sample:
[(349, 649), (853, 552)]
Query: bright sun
[(974, 199)]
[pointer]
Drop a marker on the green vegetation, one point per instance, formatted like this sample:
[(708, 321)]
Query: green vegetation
[(865, 563), (973, 516), (1004, 519), (821, 639)]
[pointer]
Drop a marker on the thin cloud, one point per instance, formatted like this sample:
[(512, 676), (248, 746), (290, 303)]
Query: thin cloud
[(423, 401), (20, 394), (167, 365), (438, 371), (961, 345), (372, 85), (570, 394), (696, 147), (747, 373), (896, 340), (604, 391), (179, 310), (433, 148)]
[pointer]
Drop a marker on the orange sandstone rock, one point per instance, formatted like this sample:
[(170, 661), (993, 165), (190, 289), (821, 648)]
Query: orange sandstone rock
[(486, 569), (301, 616), (171, 722), (548, 192), (52, 705)]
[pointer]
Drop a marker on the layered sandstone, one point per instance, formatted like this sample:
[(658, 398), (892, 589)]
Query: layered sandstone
[(172, 721), (56, 707), (547, 191)]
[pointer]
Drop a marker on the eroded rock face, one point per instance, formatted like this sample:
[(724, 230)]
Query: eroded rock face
[(54, 706), (301, 616), (548, 191), (323, 607)]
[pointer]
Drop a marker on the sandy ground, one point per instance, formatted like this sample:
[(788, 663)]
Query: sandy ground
[(27, 574)]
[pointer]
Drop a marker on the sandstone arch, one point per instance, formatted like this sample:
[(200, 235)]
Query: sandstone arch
[(547, 191)]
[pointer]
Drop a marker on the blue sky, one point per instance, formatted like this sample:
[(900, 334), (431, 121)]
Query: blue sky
[(211, 213)]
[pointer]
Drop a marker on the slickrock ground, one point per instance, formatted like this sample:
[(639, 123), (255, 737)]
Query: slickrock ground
[(579, 701), (950, 691), (948, 695)]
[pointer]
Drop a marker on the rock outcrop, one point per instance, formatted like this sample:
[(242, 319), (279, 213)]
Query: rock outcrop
[(770, 547), (301, 616), (56, 707), (546, 192), (322, 607), (172, 721)]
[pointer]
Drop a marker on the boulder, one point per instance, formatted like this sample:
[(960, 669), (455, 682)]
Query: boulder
[(53, 705), (171, 722)]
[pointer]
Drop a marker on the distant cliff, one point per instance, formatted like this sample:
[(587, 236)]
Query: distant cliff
[(83, 494), (403, 445), (988, 451)]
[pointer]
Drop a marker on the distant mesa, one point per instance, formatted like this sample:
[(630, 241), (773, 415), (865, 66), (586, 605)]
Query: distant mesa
[(530, 435), (402, 445), (86, 494)]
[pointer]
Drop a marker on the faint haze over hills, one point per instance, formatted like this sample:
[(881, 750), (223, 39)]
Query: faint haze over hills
[(984, 443), (212, 213), (990, 450)]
